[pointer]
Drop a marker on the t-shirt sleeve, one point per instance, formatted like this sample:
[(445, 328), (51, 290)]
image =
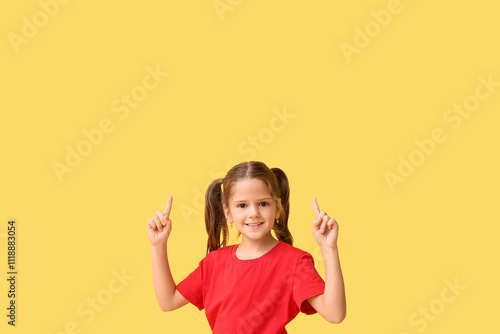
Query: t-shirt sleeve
[(306, 283), (191, 287)]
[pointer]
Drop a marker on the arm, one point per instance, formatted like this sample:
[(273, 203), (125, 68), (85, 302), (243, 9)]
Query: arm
[(331, 305), (159, 228), (168, 297)]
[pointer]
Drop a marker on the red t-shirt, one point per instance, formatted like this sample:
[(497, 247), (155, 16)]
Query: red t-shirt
[(259, 295)]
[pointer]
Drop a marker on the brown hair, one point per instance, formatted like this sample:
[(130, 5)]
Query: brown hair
[(215, 220)]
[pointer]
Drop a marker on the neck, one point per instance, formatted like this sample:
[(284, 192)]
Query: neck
[(258, 246)]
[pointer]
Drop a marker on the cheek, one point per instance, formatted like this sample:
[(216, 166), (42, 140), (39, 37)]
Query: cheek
[(238, 214), (269, 212)]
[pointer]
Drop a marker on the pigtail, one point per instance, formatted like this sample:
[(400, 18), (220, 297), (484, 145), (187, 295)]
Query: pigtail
[(215, 220), (281, 229)]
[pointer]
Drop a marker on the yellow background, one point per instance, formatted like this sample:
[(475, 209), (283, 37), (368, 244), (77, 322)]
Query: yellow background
[(229, 76)]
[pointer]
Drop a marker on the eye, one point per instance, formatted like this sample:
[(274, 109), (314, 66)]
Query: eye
[(239, 205), (266, 204)]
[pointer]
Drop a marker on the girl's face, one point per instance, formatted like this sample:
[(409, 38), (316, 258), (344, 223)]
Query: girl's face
[(251, 203)]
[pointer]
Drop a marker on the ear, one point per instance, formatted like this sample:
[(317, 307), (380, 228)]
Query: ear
[(227, 213), (278, 212)]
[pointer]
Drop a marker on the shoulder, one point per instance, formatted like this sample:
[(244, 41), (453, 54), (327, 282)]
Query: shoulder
[(293, 252), (219, 254)]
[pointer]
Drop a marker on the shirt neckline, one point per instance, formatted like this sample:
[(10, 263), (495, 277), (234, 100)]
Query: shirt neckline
[(256, 260)]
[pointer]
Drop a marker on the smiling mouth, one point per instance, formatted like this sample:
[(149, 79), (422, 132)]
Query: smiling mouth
[(255, 225)]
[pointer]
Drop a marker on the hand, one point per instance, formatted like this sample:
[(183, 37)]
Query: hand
[(160, 225), (325, 229)]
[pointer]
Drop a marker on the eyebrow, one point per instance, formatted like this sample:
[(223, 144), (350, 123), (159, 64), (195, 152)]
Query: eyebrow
[(243, 200)]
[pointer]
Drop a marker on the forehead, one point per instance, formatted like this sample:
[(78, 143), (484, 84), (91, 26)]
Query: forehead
[(249, 189)]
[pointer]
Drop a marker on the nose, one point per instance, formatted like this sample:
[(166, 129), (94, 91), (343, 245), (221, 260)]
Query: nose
[(254, 211)]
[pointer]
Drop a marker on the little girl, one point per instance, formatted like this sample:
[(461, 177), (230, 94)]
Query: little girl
[(261, 284)]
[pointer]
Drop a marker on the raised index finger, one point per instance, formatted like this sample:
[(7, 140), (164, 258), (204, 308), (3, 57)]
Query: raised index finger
[(169, 206), (315, 207)]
